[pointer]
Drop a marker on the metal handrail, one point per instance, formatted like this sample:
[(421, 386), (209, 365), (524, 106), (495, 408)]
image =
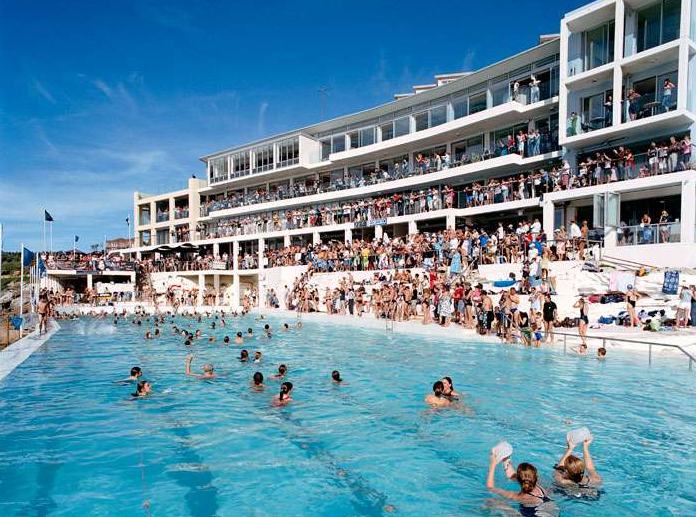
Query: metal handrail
[(650, 344)]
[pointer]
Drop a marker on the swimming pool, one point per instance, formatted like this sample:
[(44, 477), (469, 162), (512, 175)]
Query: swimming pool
[(73, 443)]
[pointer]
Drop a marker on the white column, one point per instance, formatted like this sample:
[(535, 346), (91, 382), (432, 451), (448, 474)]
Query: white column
[(216, 284), (562, 90), (450, 220), (262, 246), (688, 212), (683, 73), (90, 281), (379, 231), (216, 249), (618, 54), (201, 288), (235, 291), (548, 212), (235, 255), (348, 237), (316, 238), (287, 240), (412, 227)]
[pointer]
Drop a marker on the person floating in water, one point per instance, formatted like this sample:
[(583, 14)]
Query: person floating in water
[(148, 335), (573, 472), (448, 388), (284, 397), (286, 327), (437, 399), (532, 496), (207, 370), (282, 370), (239, 339), (258, 381), (601, 353), (135, 374), (336, 376), (257, 357), (142, 389), (244, 356)]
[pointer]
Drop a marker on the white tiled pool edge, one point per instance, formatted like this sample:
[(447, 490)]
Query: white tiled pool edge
[(20, 350)]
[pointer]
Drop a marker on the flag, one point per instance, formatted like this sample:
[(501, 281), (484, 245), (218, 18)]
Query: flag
[(77, 238), (128, 220), (47, 216), (42, 267), (27, 257)]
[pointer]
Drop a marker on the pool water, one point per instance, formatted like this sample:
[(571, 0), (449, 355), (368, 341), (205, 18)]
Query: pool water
[(73, 443)]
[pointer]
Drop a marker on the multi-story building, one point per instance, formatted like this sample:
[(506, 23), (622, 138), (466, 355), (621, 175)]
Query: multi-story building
[(619, 77)]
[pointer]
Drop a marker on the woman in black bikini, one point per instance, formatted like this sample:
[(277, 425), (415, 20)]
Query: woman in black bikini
[(584, 320), (531, 495), (631, 299), (575, 473)]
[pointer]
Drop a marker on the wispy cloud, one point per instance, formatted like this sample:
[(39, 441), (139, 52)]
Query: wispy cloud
[(42, 90), (468, 61), (103, 87), (171, 16), (263, 107)]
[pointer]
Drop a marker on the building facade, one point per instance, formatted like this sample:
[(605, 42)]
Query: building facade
[(561, 132)]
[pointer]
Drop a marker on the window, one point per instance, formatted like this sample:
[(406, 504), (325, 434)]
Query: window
[(387, 131), (594, 114), (242, 163), (145, 238), (402, 126), (477, 103), (219, 169), (438, 115), (598, 46), (338, 143), (367, 136), (263, 158), (460, 107), (325, 149), (500, 93), (354, 140), (390, 164), (658, 24), (162, 237), (144, 215), (289, 152), (421, 121)]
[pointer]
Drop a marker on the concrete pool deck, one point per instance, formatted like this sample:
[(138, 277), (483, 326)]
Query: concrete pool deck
[(20, 350)]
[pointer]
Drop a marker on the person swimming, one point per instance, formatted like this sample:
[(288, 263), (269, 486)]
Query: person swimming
[(258, 381), (142, 389), (580, 350), (239, 339), (148, 335), (135, 374), (336, 376), (244, 356), (208, 372), (299, 325), (532, 496), (286, 327), (157, 332), (226, 340), (188, 342), (258, 356), (437, 399), (282, 370), (601, 353), (575, 473), (283, 397), (250, 332), (448, 388)]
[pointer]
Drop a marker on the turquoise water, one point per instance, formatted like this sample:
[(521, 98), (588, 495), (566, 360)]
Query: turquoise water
[(72, 443)]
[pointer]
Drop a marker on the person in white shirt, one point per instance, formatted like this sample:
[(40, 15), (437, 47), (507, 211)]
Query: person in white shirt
[(536, 227), (574, 230)]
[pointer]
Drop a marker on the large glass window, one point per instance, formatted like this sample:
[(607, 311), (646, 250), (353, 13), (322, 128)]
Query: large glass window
[(594, 111), (325, 149), (658, 24), (460, 107), (339, 143), (263, 158), (289, 152), (421, 121), (500, 93), (438, 115), (387, 131), (354, 139), (598, 46), (402, 126), (477, 103), (219, 169), (242, 163), (367, 136)]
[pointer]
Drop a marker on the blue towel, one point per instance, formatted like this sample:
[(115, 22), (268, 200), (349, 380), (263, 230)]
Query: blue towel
[(671, 283), (16, 322)]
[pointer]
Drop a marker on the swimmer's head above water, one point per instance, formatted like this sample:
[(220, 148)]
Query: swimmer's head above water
[(336, 376)]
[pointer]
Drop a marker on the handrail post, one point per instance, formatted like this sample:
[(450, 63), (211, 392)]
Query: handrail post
[(650, 353), (565, 338)]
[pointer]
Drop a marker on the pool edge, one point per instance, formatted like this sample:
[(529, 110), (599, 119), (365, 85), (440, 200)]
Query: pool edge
[(19, 351)]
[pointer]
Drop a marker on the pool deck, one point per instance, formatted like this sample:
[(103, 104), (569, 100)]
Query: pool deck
[(20, 350)]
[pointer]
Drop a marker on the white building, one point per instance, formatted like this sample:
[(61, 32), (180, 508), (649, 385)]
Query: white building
[(606, 51)]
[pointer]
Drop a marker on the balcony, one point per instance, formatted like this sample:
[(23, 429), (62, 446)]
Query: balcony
[(181, 213), (162, 217), (642, 234)]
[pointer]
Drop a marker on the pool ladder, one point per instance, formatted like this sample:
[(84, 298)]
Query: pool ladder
[(389, 325)]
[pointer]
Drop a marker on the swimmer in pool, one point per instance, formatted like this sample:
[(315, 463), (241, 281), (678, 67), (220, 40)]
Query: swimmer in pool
[(282, 370), (244, 356), (211, 339), (142, 389), (336, 376), (299, 325), (258, 381), (239, 339), (286, 327), (157, 332), (573, 472), (257, 356), (268, 334), (580, 350), (188, 342), (532, 497), (437, 399), (601, 353), (148, 335), (266, 328), (448, 388), (284, 396), (207, 370), (226, 340), (250, 332), (135, 374), (198, 333)]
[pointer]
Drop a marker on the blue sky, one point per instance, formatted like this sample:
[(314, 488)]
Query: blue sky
[(98, 99)]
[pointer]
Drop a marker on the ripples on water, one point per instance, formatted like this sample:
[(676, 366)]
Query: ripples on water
[(74, 443)]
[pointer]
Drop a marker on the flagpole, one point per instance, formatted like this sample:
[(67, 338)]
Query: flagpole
[(44, 222), (21, 294), (51, 228)]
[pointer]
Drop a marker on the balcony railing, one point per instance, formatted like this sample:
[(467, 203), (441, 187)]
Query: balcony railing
[(181, 214), (162, 217), (659, 233)]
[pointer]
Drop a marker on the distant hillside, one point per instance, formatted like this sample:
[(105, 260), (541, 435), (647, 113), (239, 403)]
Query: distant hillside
[(10, 267)]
